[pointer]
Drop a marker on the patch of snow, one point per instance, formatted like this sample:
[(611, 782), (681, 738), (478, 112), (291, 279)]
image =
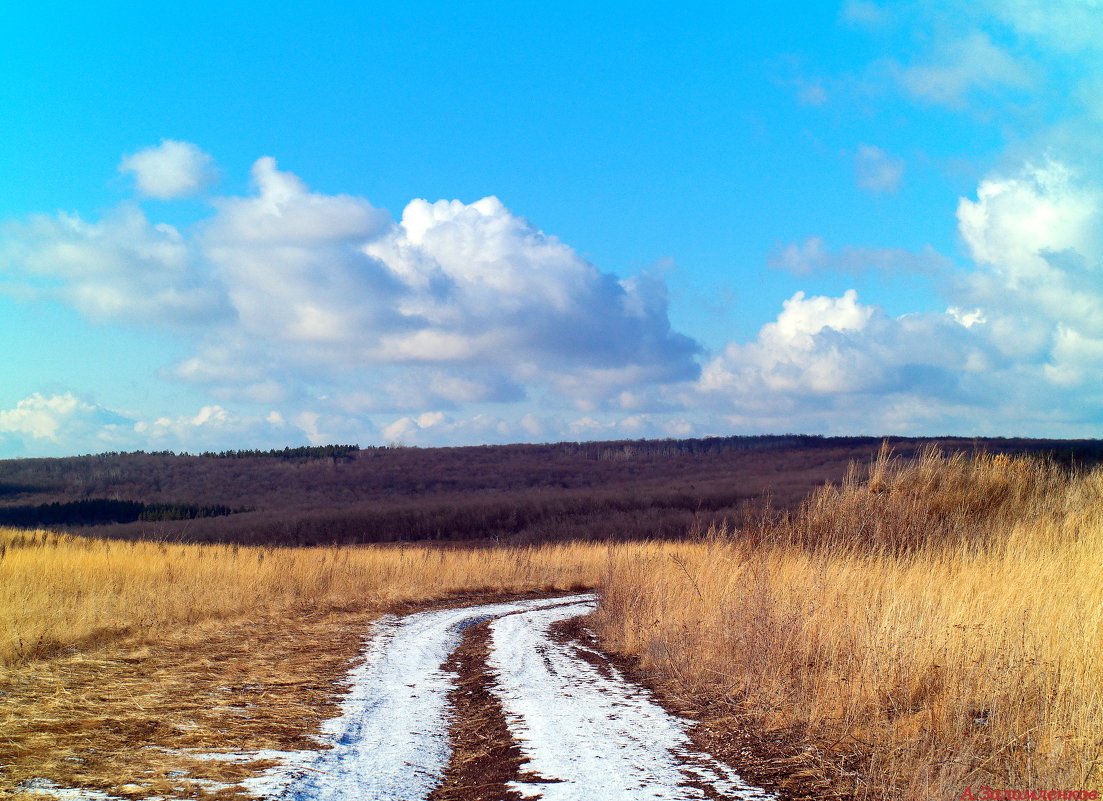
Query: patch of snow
[(47, 789), (591, 735)]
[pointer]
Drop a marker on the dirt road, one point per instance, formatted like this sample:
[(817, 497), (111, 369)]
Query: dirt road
[(584, 731), (572, 726)]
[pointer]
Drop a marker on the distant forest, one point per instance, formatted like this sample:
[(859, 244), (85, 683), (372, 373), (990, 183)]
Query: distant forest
[(516, 493), (97, 511)]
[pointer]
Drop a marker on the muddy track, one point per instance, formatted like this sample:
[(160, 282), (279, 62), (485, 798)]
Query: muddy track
[(485, 757)]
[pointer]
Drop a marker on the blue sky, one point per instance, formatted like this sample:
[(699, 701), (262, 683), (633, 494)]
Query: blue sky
[(436, 223)]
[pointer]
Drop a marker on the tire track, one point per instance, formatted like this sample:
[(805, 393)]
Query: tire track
[(391, 742)]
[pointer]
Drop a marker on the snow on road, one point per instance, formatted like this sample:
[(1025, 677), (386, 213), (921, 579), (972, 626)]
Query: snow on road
[(589, 733), (391, 741)]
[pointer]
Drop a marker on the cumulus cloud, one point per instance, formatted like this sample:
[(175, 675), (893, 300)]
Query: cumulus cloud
[(41, 425), (822, 346), (485, 286), (170, 170), (337, 283), (285, 290), (1037, 238), (1022, 344), (49, 418), (1019, 223), (877, 171)]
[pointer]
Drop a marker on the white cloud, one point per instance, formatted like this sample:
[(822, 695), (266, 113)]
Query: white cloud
[(450, 288), (878, 171), (122, 268), (1037, 238), (1076, 359), (835, 365), (821, 346), (813, 256), (1021, 346), (51, 418), (59, 425), (287, 288), (960, 66), (1018, 223), (170, 170), (486, 286)]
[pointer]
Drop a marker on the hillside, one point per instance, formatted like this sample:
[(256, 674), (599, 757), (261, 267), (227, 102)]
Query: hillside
[(517, 493)]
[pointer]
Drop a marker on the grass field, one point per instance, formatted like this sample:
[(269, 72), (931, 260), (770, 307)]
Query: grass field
[(934, 627)]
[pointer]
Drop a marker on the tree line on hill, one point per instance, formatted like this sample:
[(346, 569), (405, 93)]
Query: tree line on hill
[(523, 493), (101, 511)]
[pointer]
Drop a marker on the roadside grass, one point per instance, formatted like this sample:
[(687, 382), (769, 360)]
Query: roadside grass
[(936, 627)]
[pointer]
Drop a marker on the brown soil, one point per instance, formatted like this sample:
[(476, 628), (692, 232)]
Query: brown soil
[(485, 757), (117, 718)]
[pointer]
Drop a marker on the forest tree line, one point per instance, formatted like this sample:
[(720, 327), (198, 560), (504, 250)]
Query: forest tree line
[(525, 493)]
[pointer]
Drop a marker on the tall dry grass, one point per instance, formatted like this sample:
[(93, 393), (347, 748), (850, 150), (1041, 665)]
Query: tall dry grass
[(60, 592), (937, 626)]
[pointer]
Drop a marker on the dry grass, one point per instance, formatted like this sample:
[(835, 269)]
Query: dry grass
[(59, 592), (937, 627)]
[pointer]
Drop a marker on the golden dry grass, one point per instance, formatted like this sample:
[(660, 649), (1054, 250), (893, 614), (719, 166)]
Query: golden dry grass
[(938, 627), (60, 592)]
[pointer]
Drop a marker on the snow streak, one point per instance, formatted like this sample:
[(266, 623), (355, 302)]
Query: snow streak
[(589, 733)]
